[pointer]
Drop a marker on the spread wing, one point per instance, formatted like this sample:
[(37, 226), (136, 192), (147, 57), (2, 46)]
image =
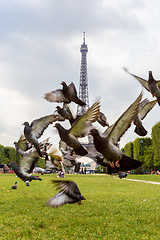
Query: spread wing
[(28, 162), (55, 96), (22, 143), (146, 108), (39, 125), (141, 80), (124, 122), (158, 84), (83, 123)]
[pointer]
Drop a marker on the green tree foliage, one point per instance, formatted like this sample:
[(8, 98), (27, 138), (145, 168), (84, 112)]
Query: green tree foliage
[(156, 142), (2, 154), (10, 155), (128, 149)]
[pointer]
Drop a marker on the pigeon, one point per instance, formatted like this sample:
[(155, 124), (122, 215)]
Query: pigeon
[(69, 193), (22, 145), (122, 175), (27, 164), (80, 128), (66, 113), (70, 160), (56, 158), (152, 85), (107, 144), (67, 94), (102, 120), (35, 130), (145, 107), (27, 183), (15, 186)]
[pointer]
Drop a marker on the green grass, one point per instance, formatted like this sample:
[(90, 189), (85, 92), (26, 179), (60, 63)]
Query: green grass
[(114, 209)]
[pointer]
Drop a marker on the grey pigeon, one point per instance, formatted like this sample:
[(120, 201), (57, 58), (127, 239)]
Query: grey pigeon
[(67, 94), (122, 175), (144, 109), (27, 164), (107, 145), (152, 85), (35, 130), (102, 120), (66, 113), (80, 128), (22, 145), (15, 186), (69, 193)]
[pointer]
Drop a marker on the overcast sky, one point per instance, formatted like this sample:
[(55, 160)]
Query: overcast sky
[(40, 47)]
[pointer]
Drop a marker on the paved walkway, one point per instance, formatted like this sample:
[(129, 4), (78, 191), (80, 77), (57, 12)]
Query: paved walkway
[(136, 180)]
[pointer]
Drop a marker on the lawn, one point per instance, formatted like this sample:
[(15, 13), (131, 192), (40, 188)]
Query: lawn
[(113, 209)]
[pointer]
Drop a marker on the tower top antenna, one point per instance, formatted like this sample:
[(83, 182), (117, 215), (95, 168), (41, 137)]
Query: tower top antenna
[(84, 37)]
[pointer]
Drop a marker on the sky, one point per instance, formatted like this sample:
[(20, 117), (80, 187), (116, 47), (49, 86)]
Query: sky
[(40, 47)]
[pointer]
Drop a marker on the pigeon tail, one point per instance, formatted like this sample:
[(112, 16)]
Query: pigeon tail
[(141, 131)]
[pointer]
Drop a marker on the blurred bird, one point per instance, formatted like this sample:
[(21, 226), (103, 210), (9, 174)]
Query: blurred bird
[(80, 128), (122, 175), (145, 107), (22, 145), (66, 113), (27, 164), (15, 186), (69, 193), (108, 145), (67, 94), (56, 157), (70, 160), (102, 120), (151, 85), (35, 130)]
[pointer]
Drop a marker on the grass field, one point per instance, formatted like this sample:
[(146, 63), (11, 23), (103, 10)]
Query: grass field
[(114, 209)]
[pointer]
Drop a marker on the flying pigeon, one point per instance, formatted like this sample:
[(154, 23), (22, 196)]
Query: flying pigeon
[(152, 85), (102, 120), (27, 164), (69, 193), (80, 128), (67, 94), (107, 145), (145, 107), (22, 145), (56, 157), (70, 160), (15, 186), (35, 130), (66, 113)]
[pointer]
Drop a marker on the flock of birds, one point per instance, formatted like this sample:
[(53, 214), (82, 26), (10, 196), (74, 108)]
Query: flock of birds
[(106, 151)]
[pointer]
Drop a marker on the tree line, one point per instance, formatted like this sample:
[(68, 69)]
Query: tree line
[(145, 149)]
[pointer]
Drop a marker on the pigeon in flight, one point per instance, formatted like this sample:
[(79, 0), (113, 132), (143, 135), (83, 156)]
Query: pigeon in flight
[(107, 145), (80, 128), (69, 193), (15, 186), (27, 163), (35, 130), (152, 85), (22, 145), (145, 107), (67, 94), (102, 120)]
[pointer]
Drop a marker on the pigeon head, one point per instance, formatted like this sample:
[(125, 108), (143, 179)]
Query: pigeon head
[(58, 108), (94, 132), (63, 83), (57, 125), (25, 124)]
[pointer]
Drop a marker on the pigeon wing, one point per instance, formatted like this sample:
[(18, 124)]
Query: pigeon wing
[(39, 125), (124, 122), (80, 127), (141, 80), (56, 96), (28, 162), (70, 188), (146, 108), (59, 199)]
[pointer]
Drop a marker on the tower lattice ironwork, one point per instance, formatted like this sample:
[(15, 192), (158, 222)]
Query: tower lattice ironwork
[(83, 87)]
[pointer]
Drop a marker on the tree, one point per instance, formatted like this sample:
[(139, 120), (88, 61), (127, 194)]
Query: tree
[(156, 142), (128, 149)]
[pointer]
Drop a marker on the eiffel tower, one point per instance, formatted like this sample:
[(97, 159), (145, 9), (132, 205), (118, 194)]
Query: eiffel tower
[(83, 87)]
